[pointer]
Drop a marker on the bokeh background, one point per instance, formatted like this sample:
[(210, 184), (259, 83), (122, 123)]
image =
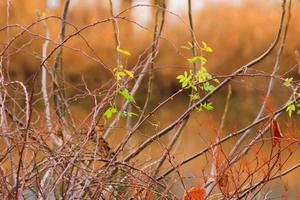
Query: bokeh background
[(238, 31)]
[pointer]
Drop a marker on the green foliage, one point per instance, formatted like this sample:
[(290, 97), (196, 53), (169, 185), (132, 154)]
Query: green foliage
[(202, 75), (288, 82), (197, 58), (186, 79), (204, 47), (125, 93), (293, 107), (110, 111), (129, 114), (194, 96), (120, 72), (208, 87), (206, 106), (290, 109), (200, 79)]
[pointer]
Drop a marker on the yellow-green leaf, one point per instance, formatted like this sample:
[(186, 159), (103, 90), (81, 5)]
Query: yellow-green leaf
[(197, 58), (125, 93), (206, 47), (110, 111), (288, 82), (129, 73), (123, 51), (216, 80), (185, 47), (119, 75)]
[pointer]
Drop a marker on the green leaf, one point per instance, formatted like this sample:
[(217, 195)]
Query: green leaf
[(206, 48), (185, 79), (127, 96), (194, 97), (291, 108), (288, 82), (129, 114), (202, 75), (123, 51), (208, 87), (110, 111), (207, 106), (197, 58), (192, 86)]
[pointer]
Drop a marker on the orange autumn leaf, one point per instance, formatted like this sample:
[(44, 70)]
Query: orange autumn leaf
[(195, 193), (277, 135)]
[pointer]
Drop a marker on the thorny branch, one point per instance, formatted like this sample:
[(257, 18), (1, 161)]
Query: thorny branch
[(56, 157)]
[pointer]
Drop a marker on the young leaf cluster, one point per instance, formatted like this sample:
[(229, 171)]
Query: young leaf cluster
[(206, 106), (120, 72), (110, 111), (288, 82), (292, 106), (201, 79)]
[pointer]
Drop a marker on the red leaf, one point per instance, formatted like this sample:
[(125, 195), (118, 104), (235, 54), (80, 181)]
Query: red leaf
[(277, 135)]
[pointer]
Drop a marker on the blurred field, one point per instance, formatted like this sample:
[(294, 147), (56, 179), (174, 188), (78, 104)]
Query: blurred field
[(236, 32)]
